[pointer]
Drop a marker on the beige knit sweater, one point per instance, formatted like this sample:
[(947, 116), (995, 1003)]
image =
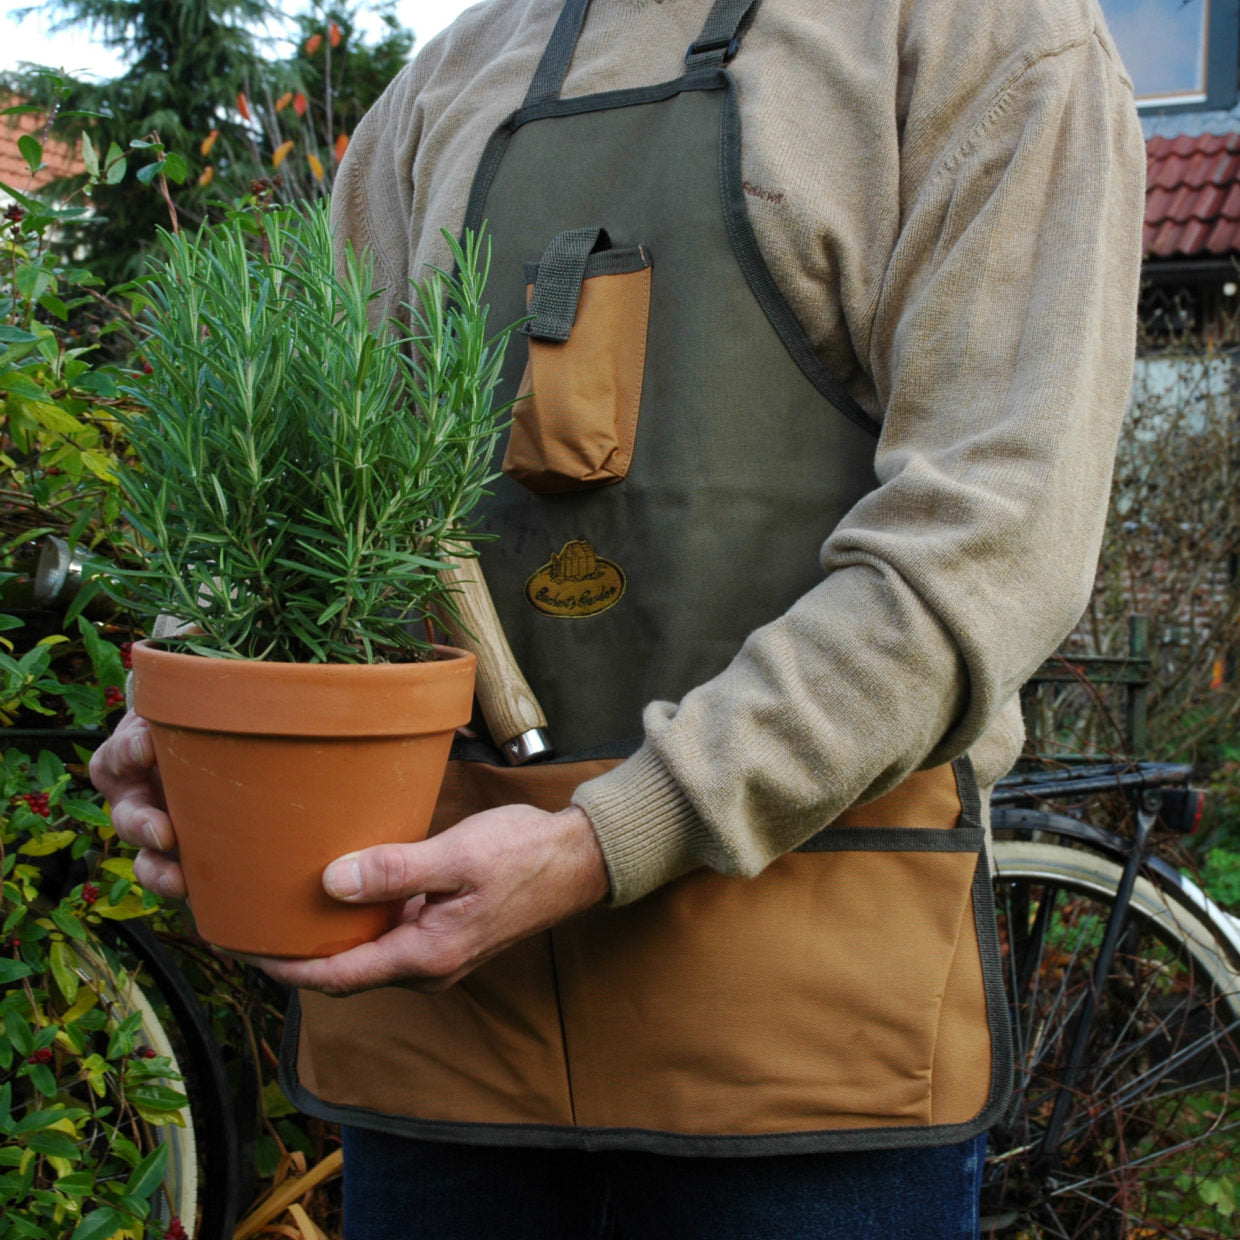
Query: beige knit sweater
[(949, 193)]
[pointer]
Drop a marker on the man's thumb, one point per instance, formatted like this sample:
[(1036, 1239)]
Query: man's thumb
[(373, 874)]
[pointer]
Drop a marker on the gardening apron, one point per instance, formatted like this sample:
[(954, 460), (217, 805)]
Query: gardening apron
[(678, 459)]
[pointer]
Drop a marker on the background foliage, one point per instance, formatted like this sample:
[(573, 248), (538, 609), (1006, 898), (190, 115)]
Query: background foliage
[(235, 105)]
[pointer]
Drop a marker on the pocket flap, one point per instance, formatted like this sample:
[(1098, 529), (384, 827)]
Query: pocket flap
[(557, 287)]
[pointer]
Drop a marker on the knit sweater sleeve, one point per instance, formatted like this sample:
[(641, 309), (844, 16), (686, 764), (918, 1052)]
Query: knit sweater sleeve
[(1001, 343)]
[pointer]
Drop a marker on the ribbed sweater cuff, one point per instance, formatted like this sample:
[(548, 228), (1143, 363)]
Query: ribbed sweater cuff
[(648, 830)]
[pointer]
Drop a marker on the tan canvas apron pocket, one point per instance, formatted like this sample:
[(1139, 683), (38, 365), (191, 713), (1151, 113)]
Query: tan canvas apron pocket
[(841, 990), (575, 420)]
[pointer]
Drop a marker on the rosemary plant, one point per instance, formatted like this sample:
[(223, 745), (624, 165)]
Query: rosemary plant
[(298, 474)]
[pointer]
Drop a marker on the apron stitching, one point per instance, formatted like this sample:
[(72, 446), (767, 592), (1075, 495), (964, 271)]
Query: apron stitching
[(559, 1014), (942, 990)]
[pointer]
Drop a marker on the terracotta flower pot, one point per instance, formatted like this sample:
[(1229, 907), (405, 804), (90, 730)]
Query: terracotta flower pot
[(271, 770)]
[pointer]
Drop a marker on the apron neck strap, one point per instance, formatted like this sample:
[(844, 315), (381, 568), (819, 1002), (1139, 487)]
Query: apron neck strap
[(720, 39), (552, 69), (716, 45)]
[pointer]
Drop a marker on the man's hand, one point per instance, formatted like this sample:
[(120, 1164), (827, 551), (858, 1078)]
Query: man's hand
[(472, 891), (123, 769)]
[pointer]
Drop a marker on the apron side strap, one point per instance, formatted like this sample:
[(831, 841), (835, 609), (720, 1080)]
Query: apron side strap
[(548, 78), (720, 39)]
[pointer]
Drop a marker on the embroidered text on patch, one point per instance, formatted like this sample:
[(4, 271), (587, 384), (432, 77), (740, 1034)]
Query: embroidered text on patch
[(576, 582)]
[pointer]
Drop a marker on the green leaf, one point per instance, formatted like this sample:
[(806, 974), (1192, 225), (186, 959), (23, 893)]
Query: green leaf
[(32, 281), (93, 816), (13, 970), (67, 923), (53, 305), (89, 156), (55, 1144), (100, 465), (115, 165), (98, 1225), (121, 1041), (76, 1184), (149, 1173), (97, 383), (44, 1079), (61, 958), (149, 172), (275, 1104), (31, 204), (47, 843), (16, 335), (175, 167), (32, 151), (18, 1028), (158, 1098), (18, 384)]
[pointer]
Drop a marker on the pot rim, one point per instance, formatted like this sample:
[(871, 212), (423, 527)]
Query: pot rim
[(257, 697)]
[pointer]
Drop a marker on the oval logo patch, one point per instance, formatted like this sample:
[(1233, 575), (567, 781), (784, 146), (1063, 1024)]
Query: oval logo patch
[(576, 582)]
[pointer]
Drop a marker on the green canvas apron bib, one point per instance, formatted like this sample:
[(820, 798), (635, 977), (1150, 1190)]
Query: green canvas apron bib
[(677, 461)]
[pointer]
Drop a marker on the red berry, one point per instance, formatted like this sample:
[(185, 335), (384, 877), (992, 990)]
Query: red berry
[(175, 1231), (145, 1052), (112, 696), (127, 655), (42, 1055), (14, 213), (90, 893)]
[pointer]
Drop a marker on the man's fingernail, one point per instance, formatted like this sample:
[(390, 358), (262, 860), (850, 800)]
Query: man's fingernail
[(137, 750), (150, 836), (344, 878)]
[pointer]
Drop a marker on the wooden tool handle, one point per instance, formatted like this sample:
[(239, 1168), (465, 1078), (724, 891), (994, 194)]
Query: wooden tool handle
[(514, 717)]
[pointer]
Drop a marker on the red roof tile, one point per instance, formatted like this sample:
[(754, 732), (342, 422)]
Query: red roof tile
[(61, 159), (1192, 196)]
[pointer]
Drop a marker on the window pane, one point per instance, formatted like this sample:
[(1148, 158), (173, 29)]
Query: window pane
[(1163, 45)]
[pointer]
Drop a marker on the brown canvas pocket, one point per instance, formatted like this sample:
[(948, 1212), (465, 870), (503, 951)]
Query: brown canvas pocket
[(575, 420)]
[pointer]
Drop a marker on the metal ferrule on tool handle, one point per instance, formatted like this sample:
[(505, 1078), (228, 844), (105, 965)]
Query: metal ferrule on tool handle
[(528, 747)]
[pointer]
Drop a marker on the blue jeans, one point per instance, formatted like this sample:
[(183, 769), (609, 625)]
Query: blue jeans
[(396, 1188)]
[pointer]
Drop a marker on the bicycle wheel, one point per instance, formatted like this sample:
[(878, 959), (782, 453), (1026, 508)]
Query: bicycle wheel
[(122, 997), (1148, 1146)]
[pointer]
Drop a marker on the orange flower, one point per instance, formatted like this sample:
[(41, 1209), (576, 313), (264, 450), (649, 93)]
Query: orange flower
[(207, 175), (208, 142), (284, 100), (281, 153), (243, 106), (316, 165), (342, 145), (299, 103), (313, 43), (1217, 676), (334, 34)]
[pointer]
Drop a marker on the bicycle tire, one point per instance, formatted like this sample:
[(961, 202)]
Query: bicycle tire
[(122, 997), (1152, 1122)]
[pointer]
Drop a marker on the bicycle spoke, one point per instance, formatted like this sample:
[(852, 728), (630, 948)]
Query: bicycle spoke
[(1154, 1113)]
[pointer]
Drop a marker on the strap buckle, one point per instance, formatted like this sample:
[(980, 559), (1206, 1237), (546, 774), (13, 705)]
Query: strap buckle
[(703, 47)]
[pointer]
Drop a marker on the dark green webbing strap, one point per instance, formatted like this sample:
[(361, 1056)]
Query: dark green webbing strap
[(557, 290), (720, 39), (557, 56), (718, 42)]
